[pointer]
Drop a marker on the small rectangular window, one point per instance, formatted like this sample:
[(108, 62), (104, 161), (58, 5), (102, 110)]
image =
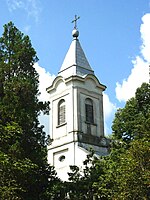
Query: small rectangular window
[(61, 112), (89, 113), (62, 115)]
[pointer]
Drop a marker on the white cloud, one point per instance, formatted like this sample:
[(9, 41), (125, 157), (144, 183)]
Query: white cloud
[(145, 36), (31, 7), (139, 74), (109, 112), (14, 4), (109, 107), (140, 70), (27, 28), (45, 80), (34, 9)]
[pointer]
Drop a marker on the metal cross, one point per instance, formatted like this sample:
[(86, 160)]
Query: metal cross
[(75, 21)]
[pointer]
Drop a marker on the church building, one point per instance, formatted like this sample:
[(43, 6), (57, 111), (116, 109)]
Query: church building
[(76, 111)]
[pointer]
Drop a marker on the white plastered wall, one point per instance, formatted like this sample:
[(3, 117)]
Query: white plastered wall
[(65, 138)]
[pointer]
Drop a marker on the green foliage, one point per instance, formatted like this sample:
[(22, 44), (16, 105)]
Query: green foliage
[(143, 98), (131, 144), (133, 181), (132, 121), (24, 172)]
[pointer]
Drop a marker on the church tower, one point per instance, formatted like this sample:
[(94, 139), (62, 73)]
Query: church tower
[(76, 111)]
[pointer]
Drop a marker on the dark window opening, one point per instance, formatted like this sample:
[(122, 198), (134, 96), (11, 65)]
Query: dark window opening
[(62, 158), (89, 111), (61, 112)]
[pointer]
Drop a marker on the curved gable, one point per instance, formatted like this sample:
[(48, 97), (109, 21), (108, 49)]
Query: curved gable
[(58, 83), (91, 79)]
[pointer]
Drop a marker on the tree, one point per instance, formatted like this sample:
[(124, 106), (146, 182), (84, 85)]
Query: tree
[(132, 121), (24, 172), (131, 131)]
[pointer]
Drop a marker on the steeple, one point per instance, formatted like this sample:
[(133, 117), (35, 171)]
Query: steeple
[(75, 62), (76, 111)]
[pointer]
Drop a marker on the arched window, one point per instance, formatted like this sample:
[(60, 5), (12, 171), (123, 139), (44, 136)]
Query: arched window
[(89, 113), (61, 112)]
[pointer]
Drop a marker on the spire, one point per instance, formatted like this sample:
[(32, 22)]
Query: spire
[(75, 62)]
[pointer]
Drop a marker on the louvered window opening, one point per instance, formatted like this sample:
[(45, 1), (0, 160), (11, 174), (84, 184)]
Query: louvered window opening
[(61, 112), (89, 111)]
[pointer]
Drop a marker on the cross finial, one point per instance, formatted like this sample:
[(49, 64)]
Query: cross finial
[(75, 21)]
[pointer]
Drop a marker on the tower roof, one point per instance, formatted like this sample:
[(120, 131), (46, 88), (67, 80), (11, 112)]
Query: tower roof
[(75, 62)]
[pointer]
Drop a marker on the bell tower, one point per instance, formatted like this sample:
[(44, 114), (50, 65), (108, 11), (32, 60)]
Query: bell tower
[(76, 111)]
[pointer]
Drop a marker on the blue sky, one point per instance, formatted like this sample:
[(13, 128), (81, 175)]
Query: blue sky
[(114, 35)]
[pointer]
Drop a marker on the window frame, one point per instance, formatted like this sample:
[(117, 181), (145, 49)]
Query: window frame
[(61, 112), (89, 111)]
